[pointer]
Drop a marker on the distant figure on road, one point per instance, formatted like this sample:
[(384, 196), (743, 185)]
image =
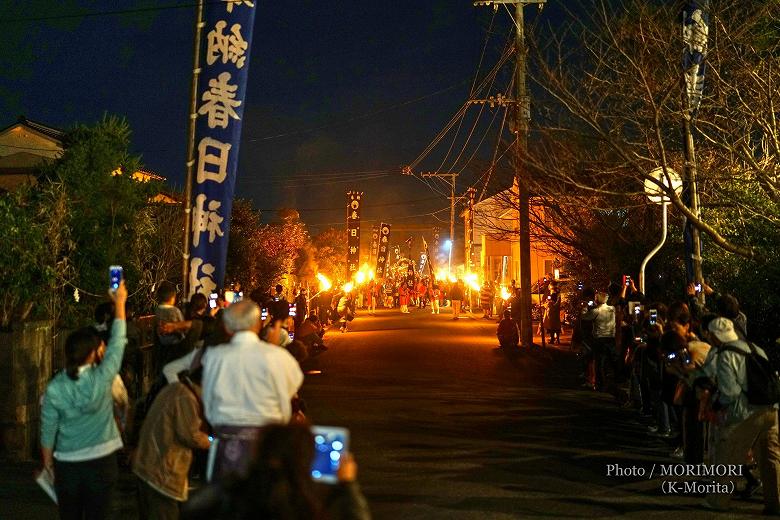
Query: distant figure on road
[(508, 332), (403, 298), (372, 293), (486, 296), (301, 307), (435, 295), (456, 295), (552, 315), (346, 310)]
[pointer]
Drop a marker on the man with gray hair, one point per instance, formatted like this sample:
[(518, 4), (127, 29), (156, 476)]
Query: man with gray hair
[(247, 384)]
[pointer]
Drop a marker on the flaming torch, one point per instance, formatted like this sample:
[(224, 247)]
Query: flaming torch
[(325, 284), (505, 294)]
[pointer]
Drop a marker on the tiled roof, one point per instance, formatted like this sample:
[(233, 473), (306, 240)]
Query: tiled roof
[(54, 133)]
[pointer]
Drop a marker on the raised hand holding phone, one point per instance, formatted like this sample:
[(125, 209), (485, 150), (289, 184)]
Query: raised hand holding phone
[(115, 276), (119, 296)]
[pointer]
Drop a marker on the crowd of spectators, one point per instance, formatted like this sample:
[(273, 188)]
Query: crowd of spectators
[(691, 373), (224, 408)]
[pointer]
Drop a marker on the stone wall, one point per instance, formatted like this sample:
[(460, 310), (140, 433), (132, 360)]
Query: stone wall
[(25, 368), (29, 356)]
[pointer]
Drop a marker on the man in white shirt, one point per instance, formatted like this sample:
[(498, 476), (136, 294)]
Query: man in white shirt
[(247, 384), (605, 349)]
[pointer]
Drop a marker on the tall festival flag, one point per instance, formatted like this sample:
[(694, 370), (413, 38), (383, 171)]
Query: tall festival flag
[(429, 259), (382, 250), (695, 31), (354, 203), (374, 243), (221, 99)]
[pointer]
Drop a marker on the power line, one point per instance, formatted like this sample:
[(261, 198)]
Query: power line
[(385, 218), (359, 117), (340, 208), (323, 183), (329, 175)]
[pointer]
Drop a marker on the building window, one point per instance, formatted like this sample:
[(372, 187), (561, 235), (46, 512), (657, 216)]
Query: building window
[(549, 267)]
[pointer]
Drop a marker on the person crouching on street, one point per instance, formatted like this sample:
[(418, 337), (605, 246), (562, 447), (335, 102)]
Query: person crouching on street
[(508, 333)]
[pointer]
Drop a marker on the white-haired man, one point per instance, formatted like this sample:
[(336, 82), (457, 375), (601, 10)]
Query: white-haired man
[(247, 384)]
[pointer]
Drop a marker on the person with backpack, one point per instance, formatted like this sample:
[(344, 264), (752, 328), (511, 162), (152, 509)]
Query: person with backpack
[(748, 393)]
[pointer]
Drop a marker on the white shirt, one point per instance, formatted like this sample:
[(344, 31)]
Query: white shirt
[(249, 382), (603, 318)]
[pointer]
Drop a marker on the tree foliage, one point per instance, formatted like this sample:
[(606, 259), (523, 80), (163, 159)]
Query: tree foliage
[(260, 255), (613, 110), (330, 253)]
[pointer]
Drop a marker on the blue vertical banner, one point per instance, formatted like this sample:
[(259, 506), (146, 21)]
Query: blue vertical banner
[(227, 28)]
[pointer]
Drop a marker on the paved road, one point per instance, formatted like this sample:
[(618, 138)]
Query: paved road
[(444, 426)]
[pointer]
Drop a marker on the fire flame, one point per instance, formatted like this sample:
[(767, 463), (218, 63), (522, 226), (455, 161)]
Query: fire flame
[(325, 284), (505, 294), (473, 281)]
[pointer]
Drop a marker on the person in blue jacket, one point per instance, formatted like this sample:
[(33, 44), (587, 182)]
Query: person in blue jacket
[(79, 436)]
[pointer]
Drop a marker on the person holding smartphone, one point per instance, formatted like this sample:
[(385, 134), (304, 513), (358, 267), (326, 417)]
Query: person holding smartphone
[(79, 436), (280, 485)]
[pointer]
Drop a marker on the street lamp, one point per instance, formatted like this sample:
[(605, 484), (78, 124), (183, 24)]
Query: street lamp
[(448, 246)]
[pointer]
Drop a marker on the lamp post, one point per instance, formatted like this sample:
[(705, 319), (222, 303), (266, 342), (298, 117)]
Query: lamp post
[(448, 245), (659, 179)]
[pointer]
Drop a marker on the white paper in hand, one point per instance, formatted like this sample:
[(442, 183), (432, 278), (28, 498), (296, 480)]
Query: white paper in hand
[(45, 479)]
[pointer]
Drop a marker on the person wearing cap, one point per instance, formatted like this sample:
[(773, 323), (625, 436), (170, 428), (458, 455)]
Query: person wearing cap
[(744, 425)]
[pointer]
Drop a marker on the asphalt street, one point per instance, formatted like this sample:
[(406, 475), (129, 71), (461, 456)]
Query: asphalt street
[(445, 426)]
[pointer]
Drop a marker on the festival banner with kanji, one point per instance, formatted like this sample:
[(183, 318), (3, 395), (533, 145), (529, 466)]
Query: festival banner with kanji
[(354, 203), (382, 252), (374, 243), (221, 100)]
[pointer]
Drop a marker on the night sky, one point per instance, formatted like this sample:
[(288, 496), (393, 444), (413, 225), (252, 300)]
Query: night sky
[(334, 90)]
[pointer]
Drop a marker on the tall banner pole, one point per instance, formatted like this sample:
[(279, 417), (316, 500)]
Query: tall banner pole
[(221, 101), (354, 206), (382, 250), (695, 27), (185, 251)]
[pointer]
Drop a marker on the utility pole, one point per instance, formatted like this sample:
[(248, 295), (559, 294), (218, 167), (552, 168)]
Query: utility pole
[(185, 254), (522, 116), (453, 177), (469, 249)]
